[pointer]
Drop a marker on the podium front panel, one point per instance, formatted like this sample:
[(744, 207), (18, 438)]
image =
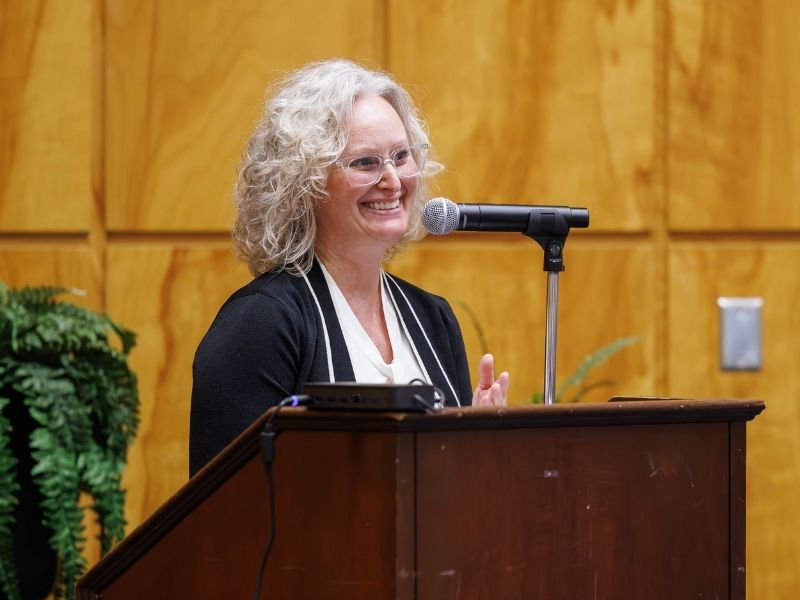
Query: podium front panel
[(591, 512)]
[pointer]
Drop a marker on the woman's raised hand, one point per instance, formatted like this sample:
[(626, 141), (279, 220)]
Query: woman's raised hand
[(490, 392)]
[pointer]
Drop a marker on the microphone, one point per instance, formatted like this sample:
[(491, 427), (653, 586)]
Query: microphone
[(440, 216)]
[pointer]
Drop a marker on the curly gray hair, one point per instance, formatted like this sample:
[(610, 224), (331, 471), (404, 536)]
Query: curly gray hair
[(285, 167)]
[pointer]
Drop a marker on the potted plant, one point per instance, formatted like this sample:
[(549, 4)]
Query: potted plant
[(578, 377), (588, 363), (68, 413)]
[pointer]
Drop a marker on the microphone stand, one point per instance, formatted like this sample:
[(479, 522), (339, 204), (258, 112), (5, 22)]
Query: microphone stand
[(551, 234)]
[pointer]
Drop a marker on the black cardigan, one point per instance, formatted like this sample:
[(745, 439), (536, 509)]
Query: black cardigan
[(269, 338)]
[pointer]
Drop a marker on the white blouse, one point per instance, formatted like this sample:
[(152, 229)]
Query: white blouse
[(368, 364)]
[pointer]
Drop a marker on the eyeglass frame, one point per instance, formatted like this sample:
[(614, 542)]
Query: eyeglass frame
[(344, 163)]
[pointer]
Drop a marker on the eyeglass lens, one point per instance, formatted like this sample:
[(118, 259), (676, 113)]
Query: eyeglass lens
[(366, 170)]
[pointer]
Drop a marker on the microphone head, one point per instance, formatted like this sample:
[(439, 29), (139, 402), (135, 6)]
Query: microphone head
[(440, 216)]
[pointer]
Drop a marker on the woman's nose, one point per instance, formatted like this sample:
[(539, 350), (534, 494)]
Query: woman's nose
[(389, 177)]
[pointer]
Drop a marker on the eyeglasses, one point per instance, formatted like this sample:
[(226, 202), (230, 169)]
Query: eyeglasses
[(362, 171)]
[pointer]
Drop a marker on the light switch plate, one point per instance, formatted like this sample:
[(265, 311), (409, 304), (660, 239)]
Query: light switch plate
[(740, 333)]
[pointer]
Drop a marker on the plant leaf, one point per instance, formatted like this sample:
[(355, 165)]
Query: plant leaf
[(56, 358)]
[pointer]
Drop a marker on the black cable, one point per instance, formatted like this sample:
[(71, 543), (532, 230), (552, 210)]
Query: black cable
[(437, 392), (425, 403), (439, 396), (268, 456), (271, 539)]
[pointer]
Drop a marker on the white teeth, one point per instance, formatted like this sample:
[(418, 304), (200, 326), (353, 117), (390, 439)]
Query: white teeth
[(383, 205)]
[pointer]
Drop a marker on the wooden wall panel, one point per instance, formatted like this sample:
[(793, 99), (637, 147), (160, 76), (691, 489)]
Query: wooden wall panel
[(168, 294), (699, 273), (606, 293), (623, 107), (45, 115), (70, 265), (184, 83), (538, 102), (734, 93)]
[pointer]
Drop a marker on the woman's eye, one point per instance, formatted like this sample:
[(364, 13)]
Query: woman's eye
[(365, 163), (402, 155)]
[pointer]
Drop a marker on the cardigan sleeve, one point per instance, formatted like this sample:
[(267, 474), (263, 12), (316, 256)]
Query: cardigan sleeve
[(248, 361)]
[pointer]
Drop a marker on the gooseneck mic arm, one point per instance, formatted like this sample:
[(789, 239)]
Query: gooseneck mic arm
[(548, 226)]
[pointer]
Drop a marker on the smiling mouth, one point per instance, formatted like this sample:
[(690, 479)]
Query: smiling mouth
[(390, 205)]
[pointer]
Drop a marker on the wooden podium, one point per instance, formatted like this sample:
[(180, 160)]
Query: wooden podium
[(629, 499)]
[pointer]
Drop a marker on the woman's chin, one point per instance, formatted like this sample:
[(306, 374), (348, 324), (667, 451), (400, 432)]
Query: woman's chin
[(389, 228), (386, 237)]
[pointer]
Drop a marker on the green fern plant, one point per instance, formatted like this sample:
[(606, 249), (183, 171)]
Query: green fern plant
[(56, 359), (578, 378)]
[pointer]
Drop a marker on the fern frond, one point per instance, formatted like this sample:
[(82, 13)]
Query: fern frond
[(55, 447), (37, 298), (9, 583), (82, 395), (589, 362), (101, 474), (593, 360)]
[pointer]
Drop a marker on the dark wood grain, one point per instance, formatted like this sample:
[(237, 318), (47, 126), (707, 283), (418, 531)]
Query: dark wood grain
[(738, 495), (467, 503), (339, 503), (630, 511)]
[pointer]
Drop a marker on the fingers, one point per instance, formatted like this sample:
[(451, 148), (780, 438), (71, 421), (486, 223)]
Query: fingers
[(491, 397), (486, 372), (480, 397), (494, 396), (504, 380), (490, 392)]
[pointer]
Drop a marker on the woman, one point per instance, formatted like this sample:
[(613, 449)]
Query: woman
[(330, 186)]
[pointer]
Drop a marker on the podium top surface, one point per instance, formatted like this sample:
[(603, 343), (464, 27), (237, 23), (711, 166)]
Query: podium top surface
[(617, 411)]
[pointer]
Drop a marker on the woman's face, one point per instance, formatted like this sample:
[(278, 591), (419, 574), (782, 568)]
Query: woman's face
[(374, 217)]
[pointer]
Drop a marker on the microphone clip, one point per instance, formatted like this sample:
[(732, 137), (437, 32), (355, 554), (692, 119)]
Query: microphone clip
[(550, 231), (553, 252)]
